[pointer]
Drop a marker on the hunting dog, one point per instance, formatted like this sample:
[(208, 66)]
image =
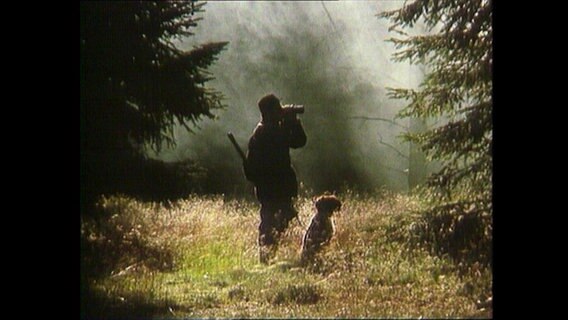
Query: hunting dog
[(320, 230)]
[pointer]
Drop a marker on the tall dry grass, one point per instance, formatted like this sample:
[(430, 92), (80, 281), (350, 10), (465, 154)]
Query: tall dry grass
[(199, 258)]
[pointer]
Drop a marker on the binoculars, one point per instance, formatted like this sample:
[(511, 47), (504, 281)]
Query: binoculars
[(293, 108)]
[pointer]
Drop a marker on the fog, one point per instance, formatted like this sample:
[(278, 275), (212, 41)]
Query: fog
[(333, 58)]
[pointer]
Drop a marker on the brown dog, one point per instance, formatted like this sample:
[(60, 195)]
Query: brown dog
[(321, 228)]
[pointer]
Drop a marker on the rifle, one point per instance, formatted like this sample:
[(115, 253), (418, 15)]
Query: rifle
[(237, 147)]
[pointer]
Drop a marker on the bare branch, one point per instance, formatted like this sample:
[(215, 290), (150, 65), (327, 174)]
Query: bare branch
[(379, 119), (392, 147)]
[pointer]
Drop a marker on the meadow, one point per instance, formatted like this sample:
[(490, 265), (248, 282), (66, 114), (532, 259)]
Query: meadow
[(198, 258)]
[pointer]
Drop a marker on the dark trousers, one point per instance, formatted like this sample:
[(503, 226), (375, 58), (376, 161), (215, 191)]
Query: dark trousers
[(275, 215)]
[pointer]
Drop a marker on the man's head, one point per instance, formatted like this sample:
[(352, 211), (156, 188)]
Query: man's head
[(270, 108)]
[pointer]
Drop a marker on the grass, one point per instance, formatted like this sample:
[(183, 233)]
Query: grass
[(198, 258)]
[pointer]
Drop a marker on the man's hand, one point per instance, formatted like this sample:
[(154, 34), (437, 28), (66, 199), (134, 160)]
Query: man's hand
[(290, 117)]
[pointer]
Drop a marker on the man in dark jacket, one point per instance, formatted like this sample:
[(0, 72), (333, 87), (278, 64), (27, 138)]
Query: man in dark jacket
[(268, 166)]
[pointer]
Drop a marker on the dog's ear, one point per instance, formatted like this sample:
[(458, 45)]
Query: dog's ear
[(338, 204)]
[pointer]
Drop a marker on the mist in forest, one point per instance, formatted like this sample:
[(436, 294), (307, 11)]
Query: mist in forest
[(333, 58)]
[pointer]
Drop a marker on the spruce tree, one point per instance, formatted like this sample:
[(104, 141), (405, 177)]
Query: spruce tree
[(457, 88), (137, 85)]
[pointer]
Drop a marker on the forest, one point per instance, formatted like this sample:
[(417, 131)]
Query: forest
[(398, 119)]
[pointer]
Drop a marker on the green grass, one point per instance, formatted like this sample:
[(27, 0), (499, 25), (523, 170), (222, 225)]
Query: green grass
[(211, 267)]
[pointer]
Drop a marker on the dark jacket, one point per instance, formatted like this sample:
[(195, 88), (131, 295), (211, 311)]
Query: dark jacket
[(268, 158)]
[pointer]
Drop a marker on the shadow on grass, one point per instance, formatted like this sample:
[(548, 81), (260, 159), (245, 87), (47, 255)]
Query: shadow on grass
[(109, 247), (97, 304)]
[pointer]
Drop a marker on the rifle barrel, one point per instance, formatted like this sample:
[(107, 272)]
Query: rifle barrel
[(236, 145)]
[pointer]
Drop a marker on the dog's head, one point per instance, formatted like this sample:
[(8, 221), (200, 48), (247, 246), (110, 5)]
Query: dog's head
[(328, 203)]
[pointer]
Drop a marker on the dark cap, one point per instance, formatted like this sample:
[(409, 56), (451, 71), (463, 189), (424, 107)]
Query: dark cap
[(268, 104)]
